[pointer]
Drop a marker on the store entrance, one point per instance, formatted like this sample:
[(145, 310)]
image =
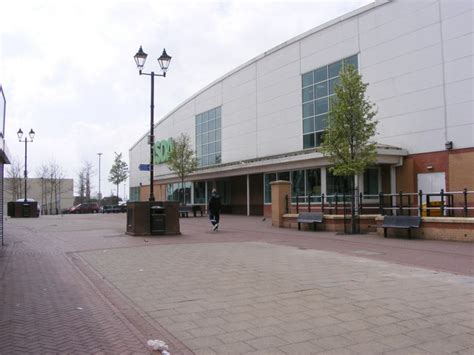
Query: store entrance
[(233, 192)]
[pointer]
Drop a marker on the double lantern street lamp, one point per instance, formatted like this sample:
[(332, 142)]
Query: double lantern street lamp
[(26, 140), (164, 61)]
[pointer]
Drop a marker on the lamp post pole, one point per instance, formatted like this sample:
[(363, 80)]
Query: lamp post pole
[(164, 61), (26, 140), (100, 195)]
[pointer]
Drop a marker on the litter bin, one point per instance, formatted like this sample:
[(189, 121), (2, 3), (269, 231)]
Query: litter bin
[(26, 210), (11, 209), (157, 220)]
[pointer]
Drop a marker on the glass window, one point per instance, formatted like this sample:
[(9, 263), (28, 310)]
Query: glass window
[(218, 146), (297, 184), (338, 184), (308, 141), (211, 148), (200, 192), (198, 129), (212, 124), (212, 136), (308, 125), (319, 138), (320, 74), (313, 182), (205, 116), (308, 93), (308, 109), (321, 89), (204, 139), (371, 181), (212, 114), (317, 98), (320, 122), (308, 79), (351, 61), (218, 122), (211, 159), (218, 135), (268, 178), (204, 160), (198, 120), (284, 175), (205, 149), (218, 157), (218, 111), (332, 85), (321, 105), (334, 68)]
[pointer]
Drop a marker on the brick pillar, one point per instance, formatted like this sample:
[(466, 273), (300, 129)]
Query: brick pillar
[(280, 189)]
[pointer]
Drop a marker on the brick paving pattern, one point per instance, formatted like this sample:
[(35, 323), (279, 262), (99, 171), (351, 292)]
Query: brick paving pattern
[(79, 284)]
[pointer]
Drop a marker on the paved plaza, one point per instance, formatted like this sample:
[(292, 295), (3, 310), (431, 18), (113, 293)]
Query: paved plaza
[(79, 284)]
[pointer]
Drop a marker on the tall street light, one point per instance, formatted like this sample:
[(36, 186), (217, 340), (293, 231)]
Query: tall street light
[(100, 195), (26, 140), (164, 61)]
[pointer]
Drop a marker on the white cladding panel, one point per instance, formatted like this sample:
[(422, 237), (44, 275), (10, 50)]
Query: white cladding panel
[(416, 57)]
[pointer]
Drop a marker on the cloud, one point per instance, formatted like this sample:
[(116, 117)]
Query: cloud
[(68, 72)]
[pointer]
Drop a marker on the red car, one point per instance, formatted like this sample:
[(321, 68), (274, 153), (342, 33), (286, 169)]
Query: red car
[(92, 207)]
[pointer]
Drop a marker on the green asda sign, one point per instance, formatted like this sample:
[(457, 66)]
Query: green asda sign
[(162, 150)]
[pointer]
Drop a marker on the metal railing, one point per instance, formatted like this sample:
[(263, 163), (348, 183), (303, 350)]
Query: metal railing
[(443, 203)]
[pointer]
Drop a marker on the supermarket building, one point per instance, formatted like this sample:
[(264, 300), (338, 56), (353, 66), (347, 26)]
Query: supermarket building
[(264, 120)]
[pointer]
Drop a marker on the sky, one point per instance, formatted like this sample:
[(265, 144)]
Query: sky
[(67, 68)]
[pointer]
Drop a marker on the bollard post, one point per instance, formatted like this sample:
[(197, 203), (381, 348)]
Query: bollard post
[(420, 203)]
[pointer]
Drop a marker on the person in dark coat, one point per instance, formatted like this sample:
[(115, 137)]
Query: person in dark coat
[(214, 209)]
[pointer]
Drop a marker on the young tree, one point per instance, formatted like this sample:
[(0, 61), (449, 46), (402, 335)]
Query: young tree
[(15, 174), (347, 141), (182, 160), (118, 172)]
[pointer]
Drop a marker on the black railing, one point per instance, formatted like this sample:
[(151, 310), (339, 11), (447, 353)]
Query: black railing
[(443, 203)]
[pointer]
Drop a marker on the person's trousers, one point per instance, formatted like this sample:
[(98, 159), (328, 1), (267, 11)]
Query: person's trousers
[(214, 217)]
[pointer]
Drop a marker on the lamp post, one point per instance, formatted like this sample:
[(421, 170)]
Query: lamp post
[(164, 61), (31, 134), (100, 196)]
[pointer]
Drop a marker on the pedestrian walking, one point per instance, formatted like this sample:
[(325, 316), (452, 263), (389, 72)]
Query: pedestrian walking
[(214, 209)]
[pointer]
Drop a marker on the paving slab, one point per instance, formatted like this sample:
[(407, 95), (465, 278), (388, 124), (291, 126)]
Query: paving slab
[(80, 284)]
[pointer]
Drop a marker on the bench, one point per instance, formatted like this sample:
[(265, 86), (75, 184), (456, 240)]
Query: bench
[(184, 211), (310, 218), (400, 222), (197, 208)]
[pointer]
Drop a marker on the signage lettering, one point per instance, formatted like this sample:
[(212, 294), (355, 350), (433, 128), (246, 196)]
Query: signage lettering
[(162, 150)]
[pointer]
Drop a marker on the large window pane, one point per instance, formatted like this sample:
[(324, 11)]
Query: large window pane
[(320, 122), (308, 125), (371, 181), (268, 178), (284, 175), (313, 182), (308, 94), (334, 68), (308, 79), (200, 192), (308, 109), (332, 85), (321, 105), (297, 184), (321, 89), (319, 138), (308, 141), (212, 124), (351, 61), (320, 74), (338, 184)]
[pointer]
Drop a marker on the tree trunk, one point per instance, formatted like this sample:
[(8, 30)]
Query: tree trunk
[(184, 194)]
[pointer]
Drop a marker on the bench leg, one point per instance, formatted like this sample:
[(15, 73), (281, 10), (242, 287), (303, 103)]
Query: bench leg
[(385, 232), (299, 226), (409, 233)]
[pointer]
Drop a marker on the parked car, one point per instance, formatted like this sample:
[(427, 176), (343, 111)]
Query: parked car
[(91, 207), (109, 209), (123, 207)]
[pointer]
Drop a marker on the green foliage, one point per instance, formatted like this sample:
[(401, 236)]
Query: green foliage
[(348, 141), (182, 160), (119, 171)]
